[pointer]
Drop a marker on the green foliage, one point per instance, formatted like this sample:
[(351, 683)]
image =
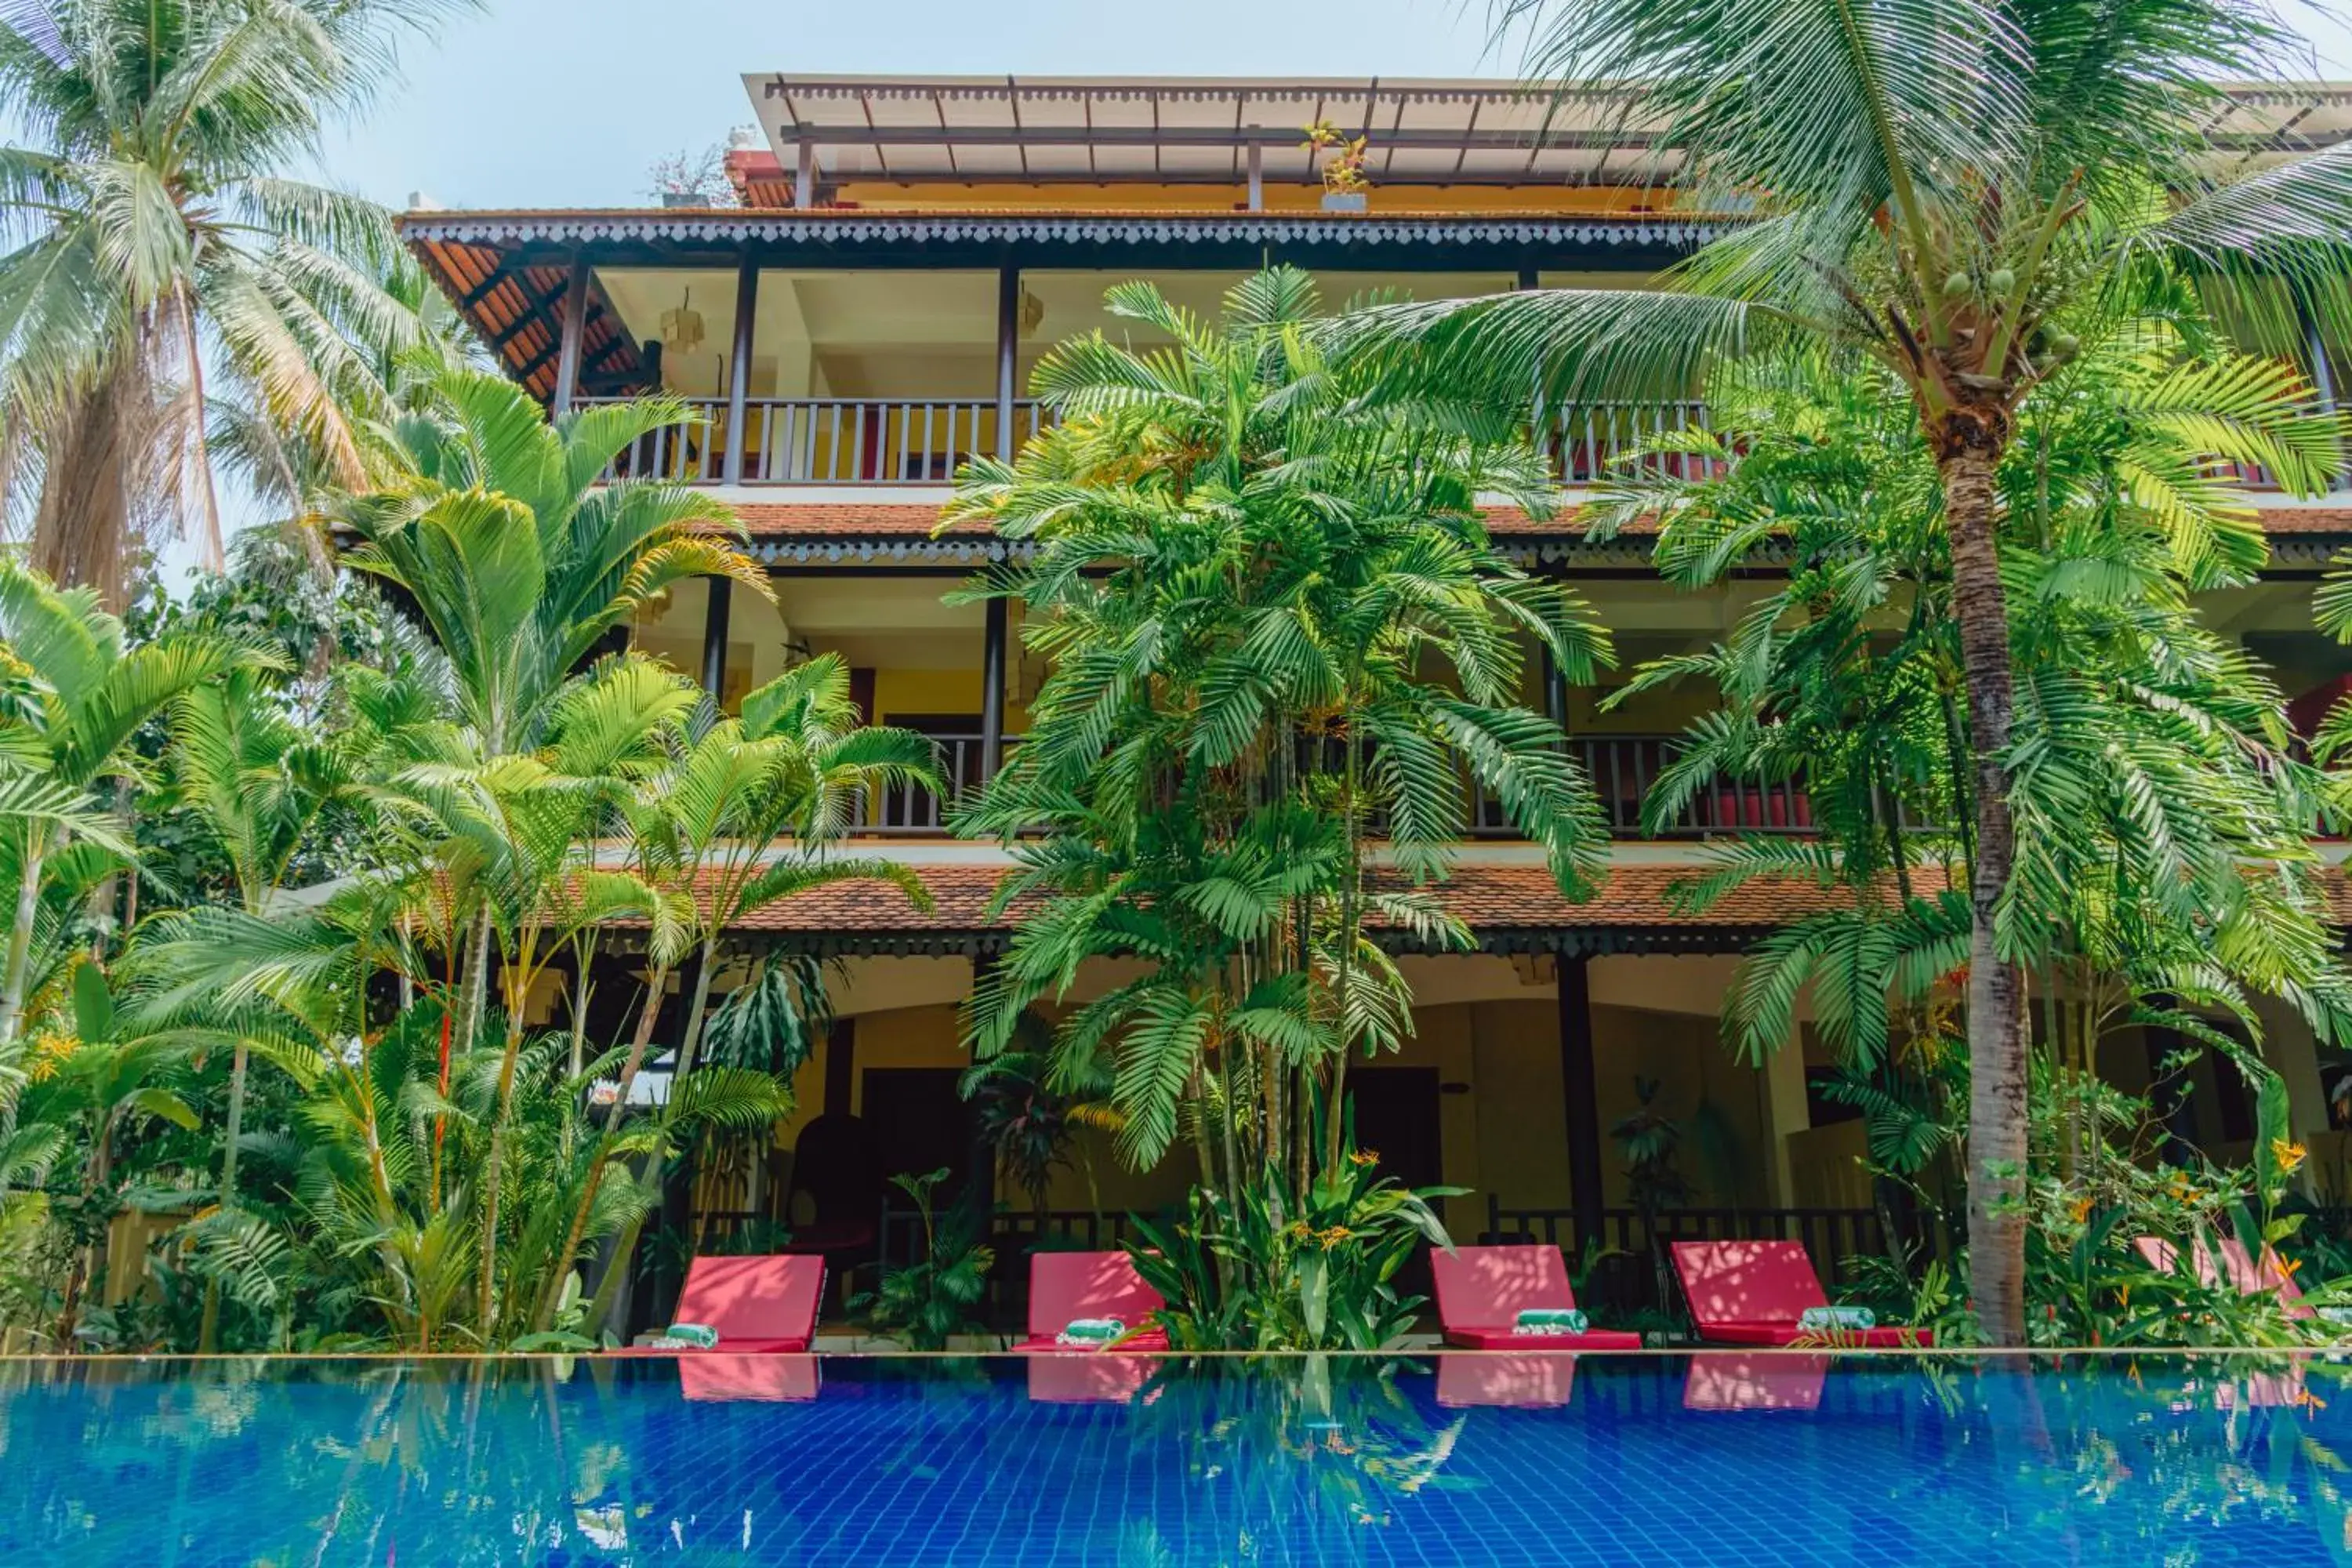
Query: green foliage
[(923, 1304), (158, 264), (1276, 628), (1239, 1275)]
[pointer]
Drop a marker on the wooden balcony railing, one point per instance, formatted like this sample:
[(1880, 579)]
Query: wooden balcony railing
[(824, 441), (1596, 441), (908, 808), (923, 440), (1622, 768)]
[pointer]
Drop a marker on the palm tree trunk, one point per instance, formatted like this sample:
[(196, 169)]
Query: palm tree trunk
[(1972, 440), (477, 979), (625, 1247), (208, 1333), (20, 935), (518, 989), (545, 1316)]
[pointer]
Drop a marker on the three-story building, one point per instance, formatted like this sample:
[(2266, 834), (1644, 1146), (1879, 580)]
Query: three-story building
[(905, 251)]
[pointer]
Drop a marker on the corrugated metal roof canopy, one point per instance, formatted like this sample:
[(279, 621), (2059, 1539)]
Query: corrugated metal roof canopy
[(1198, 130), (1191, 130)]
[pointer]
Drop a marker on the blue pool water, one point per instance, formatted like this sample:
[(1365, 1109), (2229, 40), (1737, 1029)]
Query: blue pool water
[(1752, 1459)]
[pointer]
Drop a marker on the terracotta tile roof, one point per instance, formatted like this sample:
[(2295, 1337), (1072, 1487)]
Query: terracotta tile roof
[(1489, 898), (902, 520), (2284, 520)]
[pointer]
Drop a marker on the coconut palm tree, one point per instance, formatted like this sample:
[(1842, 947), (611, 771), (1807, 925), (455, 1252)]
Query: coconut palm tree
[(156, 250), (1952, 190)]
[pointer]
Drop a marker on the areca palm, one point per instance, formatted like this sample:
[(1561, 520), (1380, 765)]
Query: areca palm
[(77, 695), (519, 561), (154, 245), (257, 784), (1951, 190), (1276, 624), (737, 818)]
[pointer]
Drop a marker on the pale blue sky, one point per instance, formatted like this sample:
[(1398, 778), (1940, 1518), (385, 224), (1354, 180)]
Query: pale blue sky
[(565, 102)]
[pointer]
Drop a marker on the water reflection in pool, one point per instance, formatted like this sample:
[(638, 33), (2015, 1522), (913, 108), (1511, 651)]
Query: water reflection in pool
[(1755, 1457)]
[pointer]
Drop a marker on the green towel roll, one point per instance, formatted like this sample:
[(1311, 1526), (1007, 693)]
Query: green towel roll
[(1835, 1319), (1549, 1321), (1090, 1331), (701, 1336)]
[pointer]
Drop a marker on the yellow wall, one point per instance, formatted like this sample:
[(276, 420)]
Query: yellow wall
[(901, 692), (1507, 1135)]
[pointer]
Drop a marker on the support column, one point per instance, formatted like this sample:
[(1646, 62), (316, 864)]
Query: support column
[(2322, 378), (1256, 177), (1555, 694), (571, 330), (992, 691), (841, 1068), (1581, 1093), (738, 379), (714, 639), (804, 177), (1528, 282), (1008, 354), (1786, 1112)]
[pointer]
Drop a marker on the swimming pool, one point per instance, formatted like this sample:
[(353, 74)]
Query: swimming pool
[(1756, 1458)]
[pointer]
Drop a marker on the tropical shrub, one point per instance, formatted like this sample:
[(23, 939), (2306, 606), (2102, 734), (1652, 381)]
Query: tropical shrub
[(925, 1304), (1240, 1272)]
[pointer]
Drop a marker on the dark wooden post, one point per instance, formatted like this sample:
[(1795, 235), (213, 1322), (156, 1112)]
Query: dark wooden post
[(1529, 280), (992, 692), (1555, 694), (840, 1066), (1008, 354), (738, 382), (572, 328), (1579, 1094), (714, 639), (2322, 376)]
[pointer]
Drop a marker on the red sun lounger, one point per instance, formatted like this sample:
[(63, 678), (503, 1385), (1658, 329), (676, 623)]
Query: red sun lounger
[(1066, 1286), (2228, 1260), (1753, 1292), (761, 1306), (1482, 1291)]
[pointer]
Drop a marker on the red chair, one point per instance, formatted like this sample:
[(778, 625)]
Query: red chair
[(1066, 1286), (2228, 1260), (761, 1306), (1754, 1292), (1482, 1291)]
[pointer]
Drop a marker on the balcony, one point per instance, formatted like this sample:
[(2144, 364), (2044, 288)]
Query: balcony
[(1622, 768), (824, 440)]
